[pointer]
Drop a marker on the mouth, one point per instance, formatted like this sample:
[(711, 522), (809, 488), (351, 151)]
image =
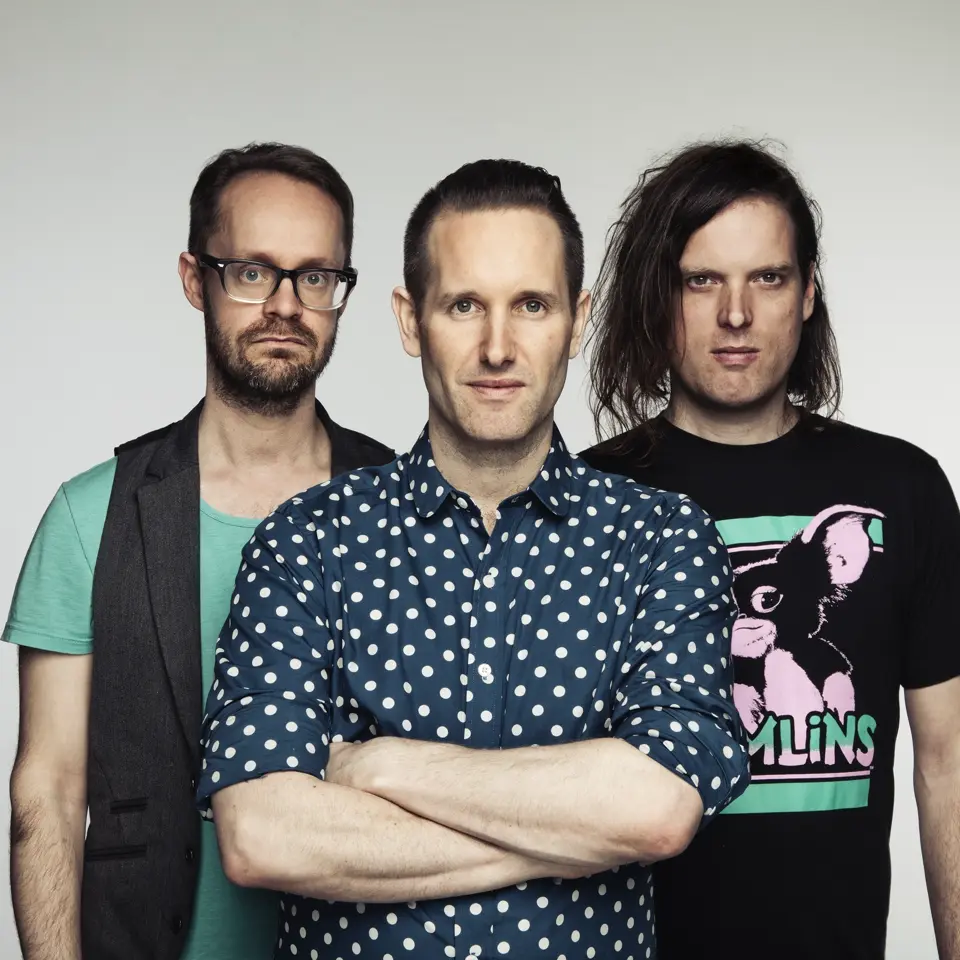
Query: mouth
[(496, 389), (284, 341), (736, 356), (749, 641)]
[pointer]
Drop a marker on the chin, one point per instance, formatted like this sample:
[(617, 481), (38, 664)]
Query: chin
[(489, 431), (721, 397)]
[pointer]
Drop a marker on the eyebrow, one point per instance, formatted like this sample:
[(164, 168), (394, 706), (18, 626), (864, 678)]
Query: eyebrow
[(696, 271), (309, 263)]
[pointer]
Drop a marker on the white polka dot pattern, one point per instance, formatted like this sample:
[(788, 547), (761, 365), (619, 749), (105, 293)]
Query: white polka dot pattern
[(377, 604)]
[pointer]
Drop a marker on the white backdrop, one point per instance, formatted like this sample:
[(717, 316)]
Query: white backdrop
[(108, 112)]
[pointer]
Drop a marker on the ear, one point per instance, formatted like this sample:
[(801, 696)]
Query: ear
[(810, 294), (580, 315), (191, 276), (842, 532), (406, 314)]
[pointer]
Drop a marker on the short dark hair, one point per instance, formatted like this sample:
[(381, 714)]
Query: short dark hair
[(634, 301), (490, 185), (296, 162)]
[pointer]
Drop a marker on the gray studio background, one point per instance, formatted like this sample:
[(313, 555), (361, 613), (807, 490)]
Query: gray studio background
[(108, 112)]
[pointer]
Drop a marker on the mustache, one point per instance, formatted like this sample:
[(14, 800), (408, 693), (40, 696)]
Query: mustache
[(278, 329)]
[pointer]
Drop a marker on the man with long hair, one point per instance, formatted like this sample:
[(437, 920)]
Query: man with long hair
[(714, 357)]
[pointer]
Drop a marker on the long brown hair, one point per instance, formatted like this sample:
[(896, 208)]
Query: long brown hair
[(634, 299)]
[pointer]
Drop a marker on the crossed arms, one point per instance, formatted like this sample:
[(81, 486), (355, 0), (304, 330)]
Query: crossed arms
[(400, 819)]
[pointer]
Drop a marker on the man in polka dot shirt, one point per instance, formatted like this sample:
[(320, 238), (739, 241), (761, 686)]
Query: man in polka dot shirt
[(462, 701)]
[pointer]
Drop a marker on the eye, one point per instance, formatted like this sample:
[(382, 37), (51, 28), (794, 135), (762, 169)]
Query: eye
[(462, 307), (317, 279), (534, 307), (770, 279), (697, 281), (251, 275), (765, 599)]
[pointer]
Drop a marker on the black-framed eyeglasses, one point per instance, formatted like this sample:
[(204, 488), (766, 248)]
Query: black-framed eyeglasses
[(251, 281)]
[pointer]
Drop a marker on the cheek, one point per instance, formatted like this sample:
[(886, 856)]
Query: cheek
[(556, 353), (780, 324), (233, 318), (445, 356), (696, 323)]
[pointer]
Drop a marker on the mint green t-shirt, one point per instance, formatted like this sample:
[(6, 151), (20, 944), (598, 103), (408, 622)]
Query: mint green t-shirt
[(53, 610)]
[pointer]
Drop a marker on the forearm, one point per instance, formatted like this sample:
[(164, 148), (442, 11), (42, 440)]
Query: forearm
[(294, 833), (938, 803), (593, 805), (46, 863)]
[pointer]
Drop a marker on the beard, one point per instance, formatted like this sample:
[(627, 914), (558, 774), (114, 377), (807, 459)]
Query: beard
[(270, 387)]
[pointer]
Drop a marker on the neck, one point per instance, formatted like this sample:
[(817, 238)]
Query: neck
[(236, 438), (488, 473), (739, 427)]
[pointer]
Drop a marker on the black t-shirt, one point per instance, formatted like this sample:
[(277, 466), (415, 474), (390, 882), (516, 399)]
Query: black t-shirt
[(846, 549)]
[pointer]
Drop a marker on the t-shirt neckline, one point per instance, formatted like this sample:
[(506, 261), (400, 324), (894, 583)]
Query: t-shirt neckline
[(695, 444), (249, 522)]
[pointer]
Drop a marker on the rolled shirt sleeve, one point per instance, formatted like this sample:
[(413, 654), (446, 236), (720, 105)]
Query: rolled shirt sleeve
[(674, 698), (269, 707)]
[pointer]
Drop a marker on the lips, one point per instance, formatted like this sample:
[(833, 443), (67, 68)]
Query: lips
[(732, 357), (496, 389), (496, 384)]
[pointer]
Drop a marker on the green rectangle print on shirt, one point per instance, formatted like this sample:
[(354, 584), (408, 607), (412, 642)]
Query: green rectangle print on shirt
[(811, 750), (53, 610)]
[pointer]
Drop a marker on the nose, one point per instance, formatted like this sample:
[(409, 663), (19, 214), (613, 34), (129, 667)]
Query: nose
[(497, 348), (734, 308), (284, 302)]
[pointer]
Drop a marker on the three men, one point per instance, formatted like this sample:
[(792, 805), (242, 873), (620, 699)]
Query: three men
[(846, 548), (129, 577), (462, 697)]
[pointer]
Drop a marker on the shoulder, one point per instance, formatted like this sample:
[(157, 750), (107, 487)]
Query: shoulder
[(622, 493), (871, 449), (623, 453), (147, 440), (366, 450), (355, 490), (89, 492)]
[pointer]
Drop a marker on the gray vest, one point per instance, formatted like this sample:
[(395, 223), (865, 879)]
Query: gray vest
[(142, 846)]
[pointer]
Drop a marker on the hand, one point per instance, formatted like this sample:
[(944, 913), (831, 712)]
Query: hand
[(379, 765)]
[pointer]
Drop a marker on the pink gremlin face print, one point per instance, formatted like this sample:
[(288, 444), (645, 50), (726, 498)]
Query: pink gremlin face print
[(783, 625)]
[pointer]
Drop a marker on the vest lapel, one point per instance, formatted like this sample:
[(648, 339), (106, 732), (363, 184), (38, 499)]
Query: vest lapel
[(169, 503)]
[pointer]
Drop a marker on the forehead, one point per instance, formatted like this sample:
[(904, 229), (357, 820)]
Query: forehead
[(748, 233), (274, 215), (496, 251)]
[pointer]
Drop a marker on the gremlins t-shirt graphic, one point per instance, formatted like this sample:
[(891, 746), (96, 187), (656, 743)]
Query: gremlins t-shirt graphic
[(795, 688), (845, 546)]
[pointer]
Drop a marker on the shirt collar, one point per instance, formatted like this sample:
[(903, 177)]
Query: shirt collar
[(552, 486)]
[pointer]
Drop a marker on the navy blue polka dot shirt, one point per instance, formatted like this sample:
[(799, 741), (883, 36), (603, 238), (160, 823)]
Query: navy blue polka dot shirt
[(377, 604)]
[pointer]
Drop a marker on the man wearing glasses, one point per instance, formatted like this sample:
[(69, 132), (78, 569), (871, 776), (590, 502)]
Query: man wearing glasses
[(135, 560)]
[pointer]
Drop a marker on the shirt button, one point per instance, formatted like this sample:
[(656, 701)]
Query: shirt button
[(176, 924), (489, 581), (189, 855), (486, 672)]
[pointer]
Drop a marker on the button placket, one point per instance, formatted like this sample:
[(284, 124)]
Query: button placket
[(485, 674)]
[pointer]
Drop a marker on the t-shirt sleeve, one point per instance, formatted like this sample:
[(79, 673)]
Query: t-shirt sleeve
[(269, 707), (52, 605), (674, 698), (932, 649)]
